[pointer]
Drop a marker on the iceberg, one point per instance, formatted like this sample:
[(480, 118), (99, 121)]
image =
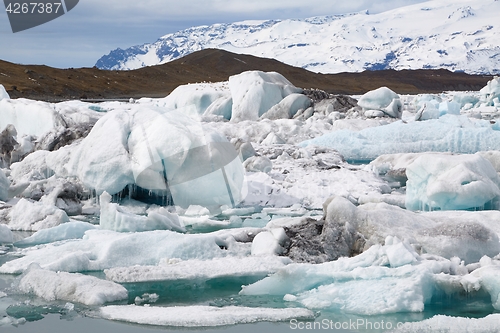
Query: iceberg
[(103, 249), (449, 133), (33, 216), (490, 94), (70, 287), (382, 99), (113, 217), (174, 157), (200, 316), (255, 92), (68, 230), (451, 182)]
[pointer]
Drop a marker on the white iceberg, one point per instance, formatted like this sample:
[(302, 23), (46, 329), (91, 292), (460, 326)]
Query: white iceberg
[(102, 249), (450, 182), (167, 153), (33, 216), (70, 287), (382, 99), (113, 217), (68, 230), (255, 92), (199, 315), (449, 133), (490, 94)]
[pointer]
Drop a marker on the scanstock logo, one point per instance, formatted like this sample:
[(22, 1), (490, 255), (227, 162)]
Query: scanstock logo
[(28, 14)]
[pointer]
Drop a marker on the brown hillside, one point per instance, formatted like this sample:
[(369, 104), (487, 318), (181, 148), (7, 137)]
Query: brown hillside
[(51, 84)]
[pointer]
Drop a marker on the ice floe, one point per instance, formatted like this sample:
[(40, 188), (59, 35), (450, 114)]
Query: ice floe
[(200, 316), (71, 287), (195, 269)]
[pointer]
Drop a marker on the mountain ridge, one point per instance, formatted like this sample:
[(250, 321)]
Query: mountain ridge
[(461, 35), (52, 84)]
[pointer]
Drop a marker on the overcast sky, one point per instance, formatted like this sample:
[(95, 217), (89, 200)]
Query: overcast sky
[(95, 27)]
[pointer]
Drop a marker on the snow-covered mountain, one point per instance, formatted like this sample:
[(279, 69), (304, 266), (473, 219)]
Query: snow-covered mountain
[(459, 35)]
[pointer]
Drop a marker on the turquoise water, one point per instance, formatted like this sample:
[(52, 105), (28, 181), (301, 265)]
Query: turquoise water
[(55, 317)]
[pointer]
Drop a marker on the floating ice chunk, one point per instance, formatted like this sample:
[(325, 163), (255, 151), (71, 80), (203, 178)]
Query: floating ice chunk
[(70, 287), (255, 92), (102, 249), (69, 230), (288, 107), (440, 323), (383, 99), (269, 242), (426, 112), (200, 316), (3, 93), (113, 217), (449, 133), (490, 92), (449, 108), (6, 236), (385, 292), (198, 269), (398, 252), (448, 182), (4, 186), (34, 216)]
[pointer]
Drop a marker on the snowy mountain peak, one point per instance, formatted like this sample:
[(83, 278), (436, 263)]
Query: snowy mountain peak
[(460, 35)]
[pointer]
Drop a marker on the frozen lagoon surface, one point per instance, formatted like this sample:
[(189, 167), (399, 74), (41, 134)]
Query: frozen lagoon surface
[(305, 213)]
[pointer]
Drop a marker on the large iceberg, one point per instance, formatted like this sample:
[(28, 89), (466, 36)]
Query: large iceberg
[(167, 153), (449, 182)]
